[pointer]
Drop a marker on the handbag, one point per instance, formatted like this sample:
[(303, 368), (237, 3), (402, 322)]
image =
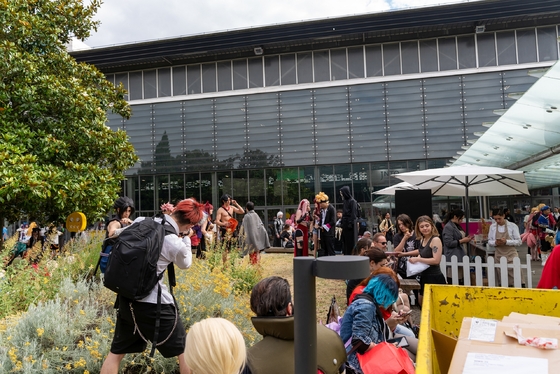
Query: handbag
[(385, 358), (416, 268)]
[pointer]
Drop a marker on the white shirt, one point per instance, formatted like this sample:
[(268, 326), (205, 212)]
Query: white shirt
[(513, 233), (174, 250)]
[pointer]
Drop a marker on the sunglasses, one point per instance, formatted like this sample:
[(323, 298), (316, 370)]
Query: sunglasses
[(382, 243)]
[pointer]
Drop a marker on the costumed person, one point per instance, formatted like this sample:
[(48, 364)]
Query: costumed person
[(278, 226), (215, 346), (550, 276), (349, 220), (316, 234), (136, 319), (255, 234), (301, 234), (225, 220), (167, 208), (362, 323), (327, 226), (52, 240), (207, 230), (530, 235), (338, 242), (544, 221), (271, 301)]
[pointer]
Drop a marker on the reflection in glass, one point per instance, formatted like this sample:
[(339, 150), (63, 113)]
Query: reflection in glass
[(192, 186), (239, 74), (240, 185), (355, 62), (275, 188), (486, 49), (288, 68), (307, 183), (360, 180), (409, 52), (176, 188), (321, 70), (447, 54), (338, 64), (548, 47), (150, 85), (305, 67), (256, 187), (136, 85), (224, 76), (467, 54), (146, 193), (526, 42), (206, 189), (208, 77), (162, 190), (391, 59), (374, 61), (291, 179), (193, 79), (327, 178), (271, 71), (179, 81), (507, 53), (342, 177), (256, 72), (164, 82), (428, 55)]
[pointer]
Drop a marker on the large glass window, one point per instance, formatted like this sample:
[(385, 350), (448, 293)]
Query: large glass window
[(150, 84), (136, 85), (327, 177), (263, 132), (199, 145), (391, 59), (123, 78), (297, 127), (338, 64), (409, 52), (404, 105), (164, 82), (527, 46), (321, 66), (342, 177), (467, 53), (309, 183), (240, 184), (192, 186), (288, 67), (139, 129), (332, 131), (429, 55), (162, 190), (193, 79), (147, 200), (355, 62), (275, 187), (305, 67), (255, 72), (176, 188), (447, 54), (206, 189), (231, 131), (225, 186), (547, 43), (256, 187), (271, 71), (367, 121), (291, 179), (507, 53), (168, 137), (239, 74), (360, 176), (486, 49), (209, 77), (179, 81), (224, 76), (374, 61)]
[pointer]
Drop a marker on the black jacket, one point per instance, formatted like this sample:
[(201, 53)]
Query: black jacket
[(349, 209), (330, 220)]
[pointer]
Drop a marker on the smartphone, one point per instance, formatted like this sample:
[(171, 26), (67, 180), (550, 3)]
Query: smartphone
[(399, 342), (404, 314)]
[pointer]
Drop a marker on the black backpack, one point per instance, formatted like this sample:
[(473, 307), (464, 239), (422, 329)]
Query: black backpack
[(131, 269)]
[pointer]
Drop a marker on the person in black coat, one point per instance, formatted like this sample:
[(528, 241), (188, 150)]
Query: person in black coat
[(349, 220), (327, 225)]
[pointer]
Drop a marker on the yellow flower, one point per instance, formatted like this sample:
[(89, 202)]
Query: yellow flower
[(27, 344), (82, 312), (40, 332)]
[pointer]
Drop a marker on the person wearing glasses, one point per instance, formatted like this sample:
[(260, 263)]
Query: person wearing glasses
[(379, 241)]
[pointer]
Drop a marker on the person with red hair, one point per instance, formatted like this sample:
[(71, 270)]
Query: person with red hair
[(136, 320)]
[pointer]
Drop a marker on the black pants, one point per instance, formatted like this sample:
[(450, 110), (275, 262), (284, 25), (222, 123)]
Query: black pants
[(327, 246), (349, 240)]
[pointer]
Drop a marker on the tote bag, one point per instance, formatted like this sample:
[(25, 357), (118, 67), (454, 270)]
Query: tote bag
[(385, 358)]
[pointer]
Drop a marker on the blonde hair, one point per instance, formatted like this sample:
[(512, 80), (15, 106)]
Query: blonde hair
[(215, 346)]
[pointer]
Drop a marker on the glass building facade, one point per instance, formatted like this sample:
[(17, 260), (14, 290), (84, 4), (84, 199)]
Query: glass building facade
[(275, 129)]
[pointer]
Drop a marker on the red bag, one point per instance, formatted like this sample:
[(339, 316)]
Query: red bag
[(385, 358)]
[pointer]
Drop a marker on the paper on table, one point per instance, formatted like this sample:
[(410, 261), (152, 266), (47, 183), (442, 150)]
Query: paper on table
[(483, 330), (482, 363)]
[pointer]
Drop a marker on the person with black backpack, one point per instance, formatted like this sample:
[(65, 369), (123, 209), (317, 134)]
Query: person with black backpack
[(155, 317)]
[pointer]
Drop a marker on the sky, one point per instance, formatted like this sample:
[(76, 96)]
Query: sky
[(127, 21)]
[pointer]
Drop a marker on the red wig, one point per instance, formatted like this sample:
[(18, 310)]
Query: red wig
[(188, 211)]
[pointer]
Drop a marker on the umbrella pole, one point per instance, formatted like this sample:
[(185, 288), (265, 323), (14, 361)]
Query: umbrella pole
[(467, 210)]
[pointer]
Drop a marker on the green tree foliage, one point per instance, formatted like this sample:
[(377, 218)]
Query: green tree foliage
[(56, 153)]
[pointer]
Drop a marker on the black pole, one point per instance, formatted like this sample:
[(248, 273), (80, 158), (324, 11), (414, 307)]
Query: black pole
[(305, 324), (305, 303)]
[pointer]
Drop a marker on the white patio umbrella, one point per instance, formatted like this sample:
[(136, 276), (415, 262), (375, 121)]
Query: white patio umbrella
[(465, 180), (396, 187)]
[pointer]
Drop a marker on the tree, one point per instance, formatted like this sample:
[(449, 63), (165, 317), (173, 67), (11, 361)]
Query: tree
[(56, 153)]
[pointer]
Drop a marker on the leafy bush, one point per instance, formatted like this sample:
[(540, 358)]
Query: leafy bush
[(72, 331)]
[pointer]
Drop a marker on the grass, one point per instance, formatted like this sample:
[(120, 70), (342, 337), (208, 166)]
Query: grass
[(281, 264)]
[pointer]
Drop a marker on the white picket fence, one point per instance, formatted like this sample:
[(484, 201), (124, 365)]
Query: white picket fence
[(522, 273)]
